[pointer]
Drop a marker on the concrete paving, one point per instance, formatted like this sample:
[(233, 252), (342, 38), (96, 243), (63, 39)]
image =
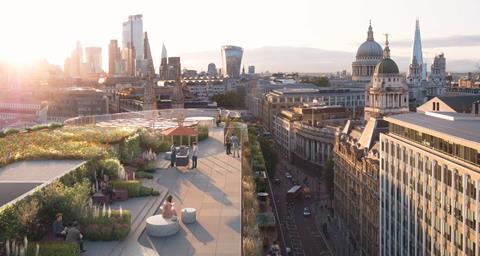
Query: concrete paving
[(214, 189)]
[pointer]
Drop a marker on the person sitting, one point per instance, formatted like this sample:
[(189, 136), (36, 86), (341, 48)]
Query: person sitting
[(59, 229), (107, 191), (74, 235), (168, 208)]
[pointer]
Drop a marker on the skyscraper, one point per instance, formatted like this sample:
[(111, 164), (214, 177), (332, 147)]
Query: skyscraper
[(417, 56), (231, 60), (133, 34), (149, 68), (163, 64), (114, 58), (76, 61), (93, 59), (212, 69)]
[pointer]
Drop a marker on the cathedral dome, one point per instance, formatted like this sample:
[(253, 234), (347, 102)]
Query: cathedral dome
[(387, 66), (370, 49)]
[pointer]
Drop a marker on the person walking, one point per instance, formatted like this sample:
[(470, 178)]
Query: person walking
[(228, 143), (173, 155), (194, 155), (235, 145)]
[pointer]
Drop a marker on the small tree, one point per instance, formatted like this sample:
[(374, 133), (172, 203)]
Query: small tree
[(328, 172)]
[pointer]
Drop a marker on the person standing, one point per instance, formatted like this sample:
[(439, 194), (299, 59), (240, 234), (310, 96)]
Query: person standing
[(235, 145), (228, 143), (173, 155), (74, 236), (194, 155)]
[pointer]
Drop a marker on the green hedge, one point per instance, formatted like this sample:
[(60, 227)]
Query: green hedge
[(147, 191), (149, 167), (133, 186), (54, 249), (202, 133), (143, 175), (106, 228), (8, 131)]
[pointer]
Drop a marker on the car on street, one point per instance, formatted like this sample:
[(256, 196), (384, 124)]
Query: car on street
[(288, 175), (276, 181), (307, 212)]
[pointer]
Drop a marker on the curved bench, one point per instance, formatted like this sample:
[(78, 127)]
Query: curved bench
[(158, 226)]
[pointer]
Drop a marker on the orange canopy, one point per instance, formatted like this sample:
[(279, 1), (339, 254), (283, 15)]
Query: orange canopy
[(180, 131)]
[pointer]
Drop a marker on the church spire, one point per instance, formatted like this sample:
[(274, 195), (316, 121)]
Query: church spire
[(370, 32), (386, 51)]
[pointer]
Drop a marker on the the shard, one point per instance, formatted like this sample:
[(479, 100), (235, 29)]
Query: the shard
[(417, 55)]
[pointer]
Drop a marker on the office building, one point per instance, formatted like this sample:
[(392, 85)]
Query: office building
[(149, 69), (231, 61), (251, 69), (133, 35), (281, 99), (93, 59), (212, 69), (430, 184), (114, 58)]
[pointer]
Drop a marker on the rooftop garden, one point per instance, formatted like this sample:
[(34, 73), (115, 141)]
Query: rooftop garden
[(107, 151), (60, 143)]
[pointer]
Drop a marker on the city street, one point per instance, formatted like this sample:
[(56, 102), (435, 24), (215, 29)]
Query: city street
[(302, 233)]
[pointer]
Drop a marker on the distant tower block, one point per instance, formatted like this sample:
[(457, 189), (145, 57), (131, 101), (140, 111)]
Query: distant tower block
[(231, 60)]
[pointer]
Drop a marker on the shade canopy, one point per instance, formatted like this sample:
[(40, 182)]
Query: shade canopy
[(180, 131)]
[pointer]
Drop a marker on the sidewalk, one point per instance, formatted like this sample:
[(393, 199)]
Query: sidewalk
[(214, 189)]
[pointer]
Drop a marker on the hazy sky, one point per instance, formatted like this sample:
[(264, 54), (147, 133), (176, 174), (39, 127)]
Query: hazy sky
[(49, 29)]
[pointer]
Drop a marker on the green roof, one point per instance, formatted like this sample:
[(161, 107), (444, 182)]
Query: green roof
[(387, 66)]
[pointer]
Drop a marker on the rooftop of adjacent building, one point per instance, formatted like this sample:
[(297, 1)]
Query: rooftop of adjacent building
[(315, 89), (447, 125)]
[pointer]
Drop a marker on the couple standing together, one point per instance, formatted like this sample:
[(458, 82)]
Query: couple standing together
[(230, 142), (193, 155)]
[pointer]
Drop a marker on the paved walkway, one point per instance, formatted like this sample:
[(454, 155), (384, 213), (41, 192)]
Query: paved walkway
[(214, 189)]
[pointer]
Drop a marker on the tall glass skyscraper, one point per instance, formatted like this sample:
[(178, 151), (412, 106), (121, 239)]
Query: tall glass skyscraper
[(231, 60), (133, 33)]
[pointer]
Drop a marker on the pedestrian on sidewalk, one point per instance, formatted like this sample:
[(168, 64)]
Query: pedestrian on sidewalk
[(173, 155), (228, 143), (194, 155), (235, 145)]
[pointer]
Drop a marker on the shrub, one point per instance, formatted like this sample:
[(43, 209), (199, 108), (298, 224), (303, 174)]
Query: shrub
[(132, 186), (202, 133), (54, 249), (8, 131), (143, 175), (106, 228), (130, 148), (148, 191), (150, 140), (111, 167), (149, 167), (9, 222)]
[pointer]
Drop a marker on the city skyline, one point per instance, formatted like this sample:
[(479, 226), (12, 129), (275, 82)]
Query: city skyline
[(251, 26)]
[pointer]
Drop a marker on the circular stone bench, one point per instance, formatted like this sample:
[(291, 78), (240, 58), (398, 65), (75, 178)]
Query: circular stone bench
[(158, 226), (189, 215)]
